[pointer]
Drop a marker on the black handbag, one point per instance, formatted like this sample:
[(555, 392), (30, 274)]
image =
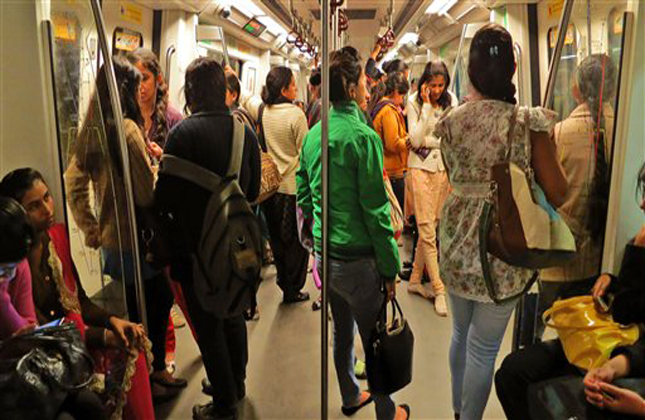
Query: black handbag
[(39, 369), (389, 358)]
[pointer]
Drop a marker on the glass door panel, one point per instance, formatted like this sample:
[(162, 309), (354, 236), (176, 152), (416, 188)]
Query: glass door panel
[(92, 165), (585, 100)]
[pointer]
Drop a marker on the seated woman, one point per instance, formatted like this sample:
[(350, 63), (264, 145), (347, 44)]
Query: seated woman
[(547, 360), (57, 293), (17, 314)]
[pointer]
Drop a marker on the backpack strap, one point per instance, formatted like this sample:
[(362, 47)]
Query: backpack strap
[(237, 147), (182, 168)]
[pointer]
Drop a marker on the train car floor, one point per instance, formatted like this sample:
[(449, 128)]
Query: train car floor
[(283, 373)]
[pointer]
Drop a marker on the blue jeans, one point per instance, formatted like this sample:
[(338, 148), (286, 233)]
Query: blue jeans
[(355, 298), (477, 332)]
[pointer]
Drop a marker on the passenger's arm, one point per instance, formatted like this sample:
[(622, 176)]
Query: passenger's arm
[(417, 128), (375, 205), (303, 195), (16, 302), (548, 172), (77, 184), (251, 142), (391, 140), (143, 177), (300, 129)]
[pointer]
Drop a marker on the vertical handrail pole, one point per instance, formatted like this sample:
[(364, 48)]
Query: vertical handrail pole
[(127, 179), (324, 140), (589, 28), (461, 46), (224, 46), (555, 58)]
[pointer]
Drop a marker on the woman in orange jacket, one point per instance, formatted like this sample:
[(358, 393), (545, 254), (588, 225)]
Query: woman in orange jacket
[(389, 123)]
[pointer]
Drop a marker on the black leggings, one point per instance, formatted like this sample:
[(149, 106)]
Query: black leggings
[(159, 300)]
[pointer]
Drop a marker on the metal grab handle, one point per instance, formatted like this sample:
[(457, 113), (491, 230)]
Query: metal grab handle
[(170, 52)]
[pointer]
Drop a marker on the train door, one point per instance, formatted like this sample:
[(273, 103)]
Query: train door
[(99, 204)]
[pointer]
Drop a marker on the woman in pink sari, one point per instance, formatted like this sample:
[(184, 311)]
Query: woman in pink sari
[(119, 347)]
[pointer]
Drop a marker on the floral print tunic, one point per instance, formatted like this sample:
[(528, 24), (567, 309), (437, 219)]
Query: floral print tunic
[(474, 138)]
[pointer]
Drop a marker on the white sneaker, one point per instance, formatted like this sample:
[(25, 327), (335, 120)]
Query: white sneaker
[(440, 305), (418, 289)]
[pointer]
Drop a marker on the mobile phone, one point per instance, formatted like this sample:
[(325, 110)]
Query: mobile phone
[(601, 304), (54, 323)]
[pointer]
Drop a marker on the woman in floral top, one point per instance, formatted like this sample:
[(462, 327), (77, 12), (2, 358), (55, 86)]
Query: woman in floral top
[(474, 137)]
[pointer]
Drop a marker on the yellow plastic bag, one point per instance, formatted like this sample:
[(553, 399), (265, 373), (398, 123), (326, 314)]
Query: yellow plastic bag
[(587, 336)]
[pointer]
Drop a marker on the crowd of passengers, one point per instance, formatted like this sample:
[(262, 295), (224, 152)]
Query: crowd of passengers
[(434, 152)]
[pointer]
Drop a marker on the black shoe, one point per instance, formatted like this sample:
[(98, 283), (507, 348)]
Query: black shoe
[(207, 388), (405, 274), (407, 410), (210, 411), (350, 411), (161, 394), (407, 264), (299, 297)]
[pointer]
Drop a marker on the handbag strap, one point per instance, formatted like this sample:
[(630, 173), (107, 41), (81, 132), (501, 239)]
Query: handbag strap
[(511, 131)]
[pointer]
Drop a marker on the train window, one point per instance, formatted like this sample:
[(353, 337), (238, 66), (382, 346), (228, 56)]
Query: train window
[(615, 23), (585, 100)]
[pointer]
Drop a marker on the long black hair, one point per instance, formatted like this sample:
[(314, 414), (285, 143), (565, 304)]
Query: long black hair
[(432, 69), (16, 233), (345, 70), (491, 63), (205, 85), (596, 81), (278, 78), (149, 60), (90, 151)]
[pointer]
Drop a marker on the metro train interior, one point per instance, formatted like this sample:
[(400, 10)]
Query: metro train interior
[(52, 53)]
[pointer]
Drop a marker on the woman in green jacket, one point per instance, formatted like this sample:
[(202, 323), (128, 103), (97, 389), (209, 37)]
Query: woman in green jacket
[(363, 255)]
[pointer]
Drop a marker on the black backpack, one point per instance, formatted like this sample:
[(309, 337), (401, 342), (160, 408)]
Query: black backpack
[(228, 258)]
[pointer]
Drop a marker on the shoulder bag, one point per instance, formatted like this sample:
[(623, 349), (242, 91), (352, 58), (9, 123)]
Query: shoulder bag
[(517, 224), (271, 176), (39, 369)]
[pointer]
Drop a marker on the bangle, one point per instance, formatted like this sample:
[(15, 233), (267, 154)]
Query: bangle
[(105, 337)]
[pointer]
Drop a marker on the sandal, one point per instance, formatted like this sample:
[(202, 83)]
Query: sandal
[(350, 411)]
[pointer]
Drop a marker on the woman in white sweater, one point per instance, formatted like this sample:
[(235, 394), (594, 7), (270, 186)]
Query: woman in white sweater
[(284, 126), (427, 175)]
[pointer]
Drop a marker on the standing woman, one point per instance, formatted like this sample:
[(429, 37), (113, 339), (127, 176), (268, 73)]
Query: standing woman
[(428, 176), (109, 229), (389, 123), (474, 137), (363, 256), (284, 127), (159, 117)]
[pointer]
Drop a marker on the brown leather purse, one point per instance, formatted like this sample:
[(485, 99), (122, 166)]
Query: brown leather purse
[(517, 224)]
